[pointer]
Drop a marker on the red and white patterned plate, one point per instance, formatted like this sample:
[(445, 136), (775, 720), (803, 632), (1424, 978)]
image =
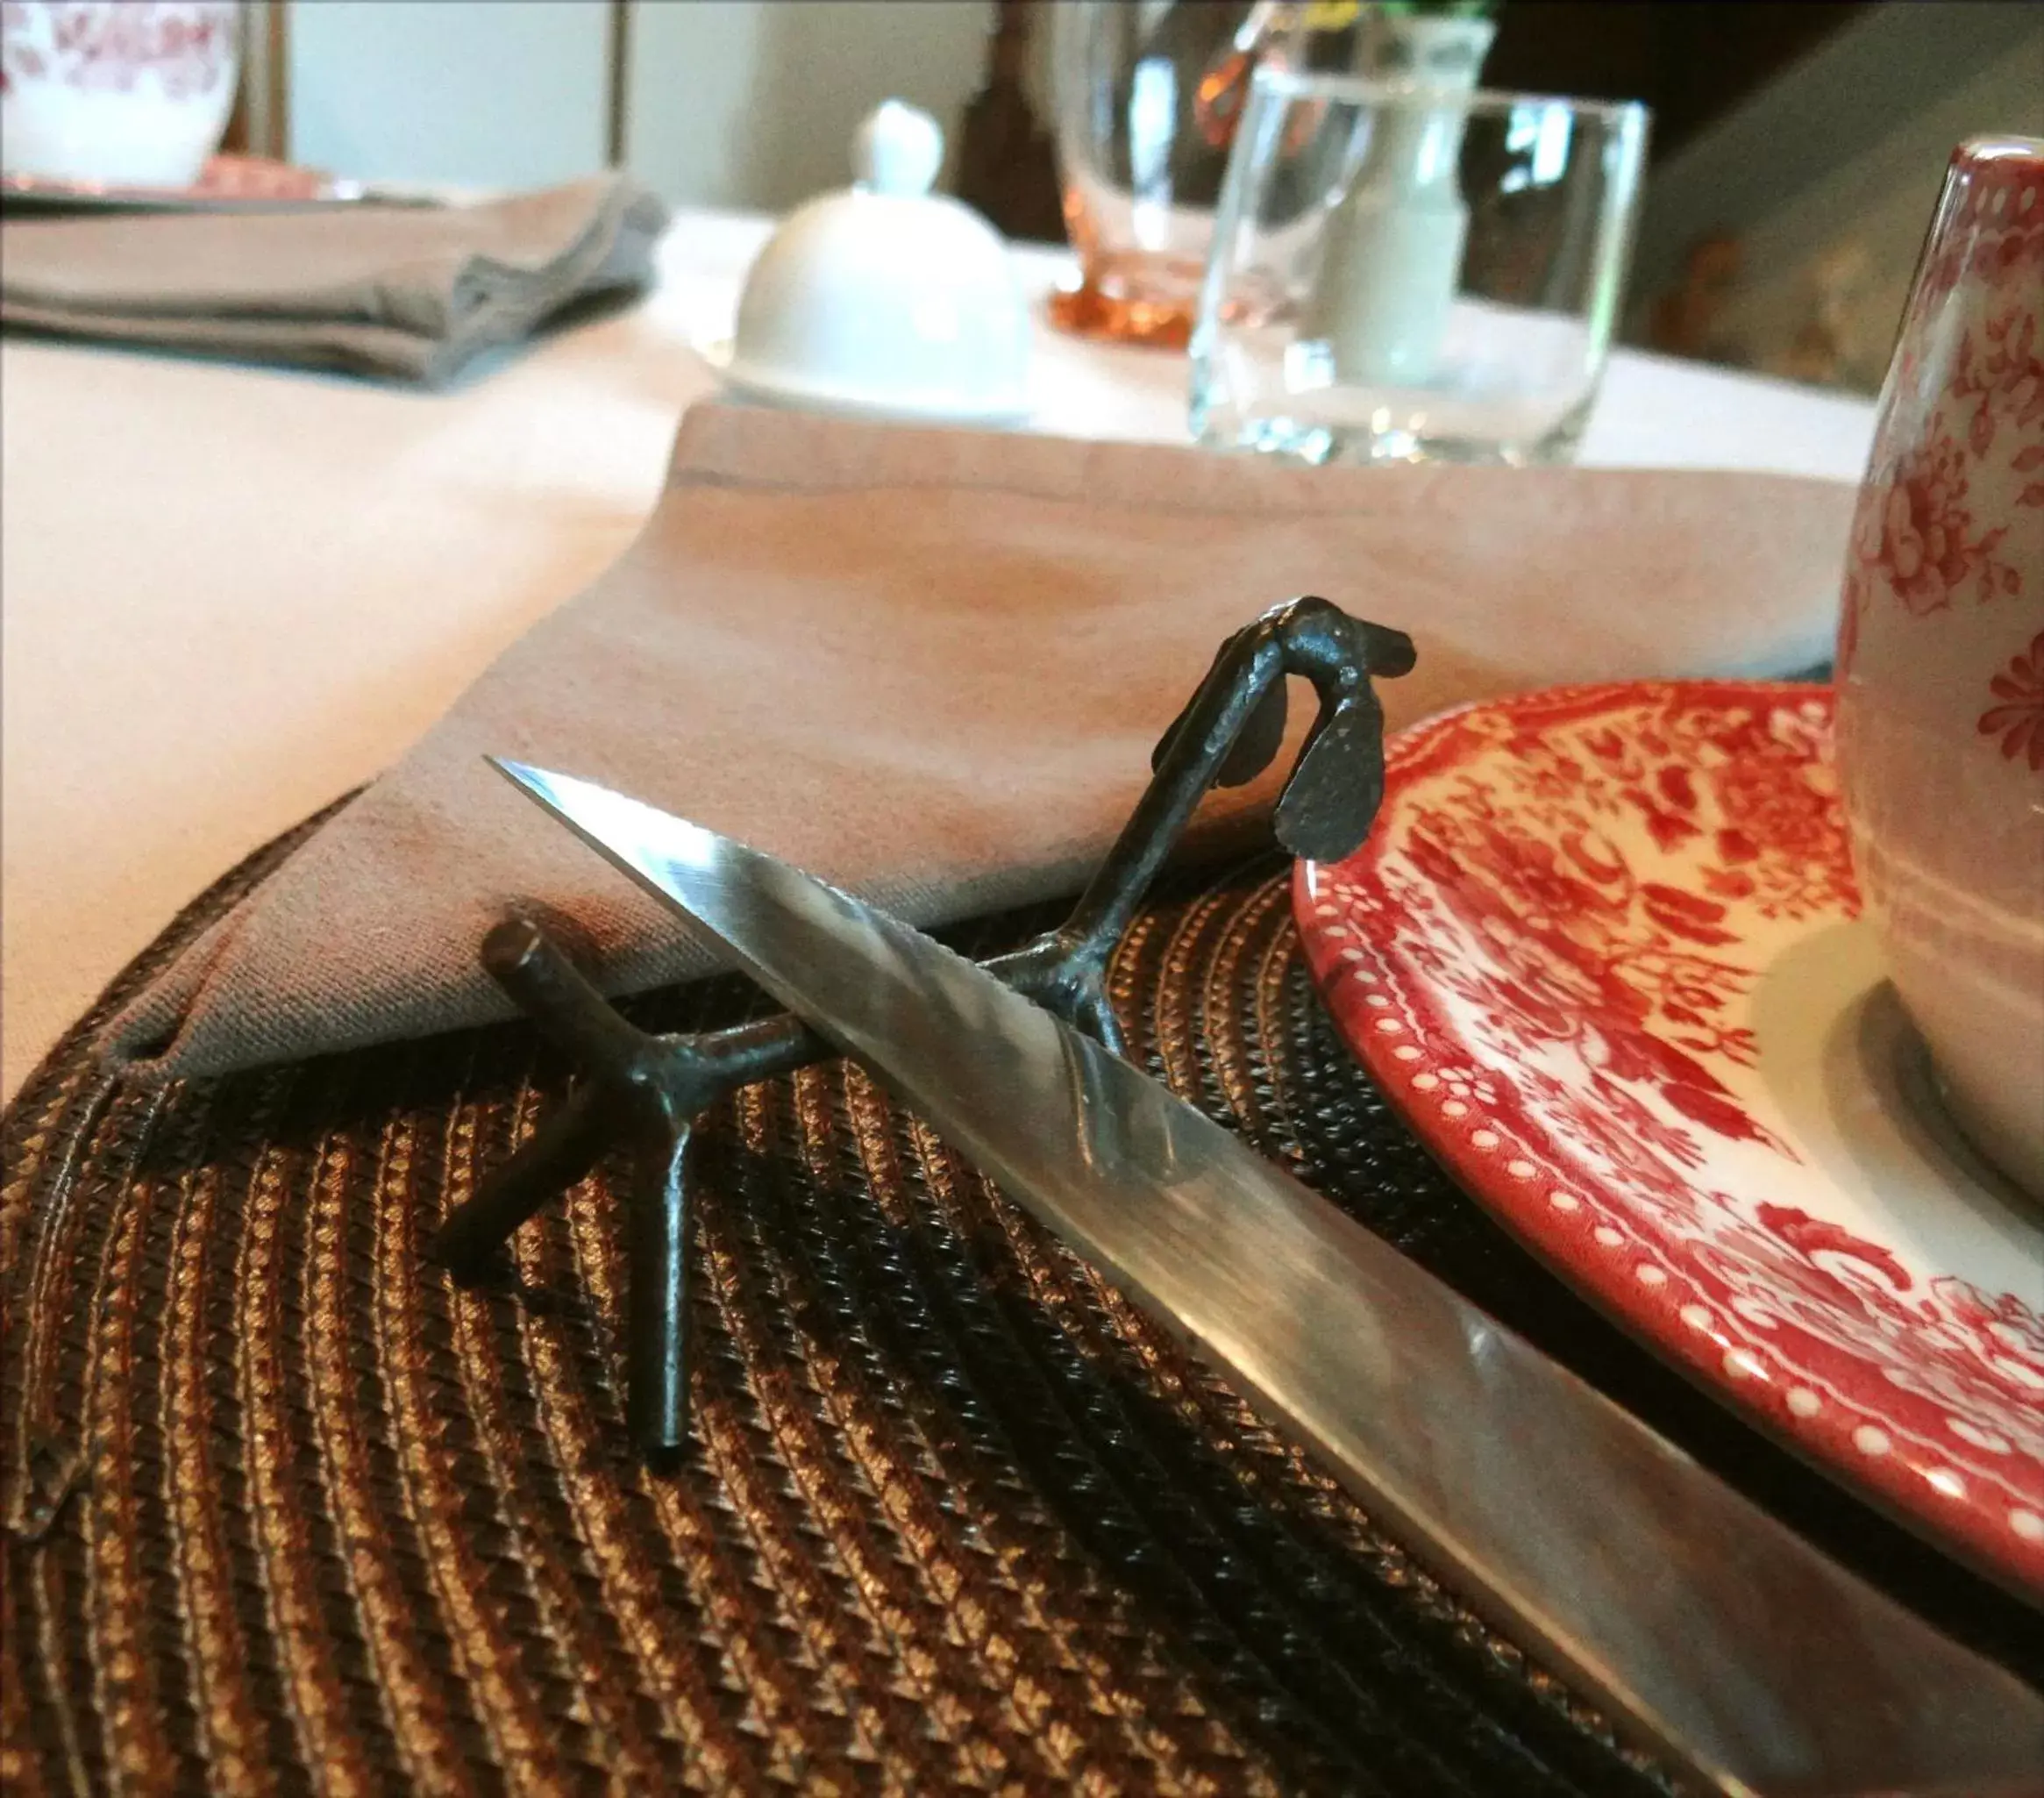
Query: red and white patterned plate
[(1602, 949)]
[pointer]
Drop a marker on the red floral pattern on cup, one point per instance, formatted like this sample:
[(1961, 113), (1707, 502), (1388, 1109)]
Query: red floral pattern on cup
[(1923, 538), (1939, 751), (2018, 715), (1548, 954), (1951, 515), (187, 45), (1995, 230), (1999, 373)]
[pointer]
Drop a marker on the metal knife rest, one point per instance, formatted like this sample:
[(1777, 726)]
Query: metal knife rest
[(648, 1091)]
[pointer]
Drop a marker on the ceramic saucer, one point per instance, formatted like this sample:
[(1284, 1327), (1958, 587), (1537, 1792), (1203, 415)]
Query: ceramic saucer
[(1603, 950), (768, 387)]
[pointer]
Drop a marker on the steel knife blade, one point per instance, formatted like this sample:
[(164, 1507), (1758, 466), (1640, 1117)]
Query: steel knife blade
[(1708, 1629)]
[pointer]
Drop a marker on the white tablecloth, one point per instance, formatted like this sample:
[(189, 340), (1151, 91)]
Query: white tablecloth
[(228, 595)]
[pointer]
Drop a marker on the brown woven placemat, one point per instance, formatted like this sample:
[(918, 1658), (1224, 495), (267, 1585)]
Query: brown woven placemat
[(286, 1510)]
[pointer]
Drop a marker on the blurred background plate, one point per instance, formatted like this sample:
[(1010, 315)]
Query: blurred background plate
[(228, 184)]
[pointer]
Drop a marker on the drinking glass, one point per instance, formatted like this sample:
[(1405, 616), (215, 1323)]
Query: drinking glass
[(1407, 273), (1148, 97)]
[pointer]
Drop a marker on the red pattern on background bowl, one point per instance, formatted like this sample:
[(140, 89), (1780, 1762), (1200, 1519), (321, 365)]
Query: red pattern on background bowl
[(1941, 653), (128, 91), (1602, 951)]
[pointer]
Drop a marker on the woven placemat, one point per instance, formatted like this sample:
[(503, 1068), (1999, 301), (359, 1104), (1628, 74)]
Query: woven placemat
[(286, 1510)]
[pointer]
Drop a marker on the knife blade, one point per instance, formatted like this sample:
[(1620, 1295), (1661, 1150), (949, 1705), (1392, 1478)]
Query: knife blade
[(1705, 1628)]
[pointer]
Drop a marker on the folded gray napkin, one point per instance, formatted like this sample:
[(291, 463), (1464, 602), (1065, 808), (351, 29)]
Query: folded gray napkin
[(410, 291), (930, 666)]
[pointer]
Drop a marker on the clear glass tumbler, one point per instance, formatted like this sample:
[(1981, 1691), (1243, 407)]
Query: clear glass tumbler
[(1401, 273)]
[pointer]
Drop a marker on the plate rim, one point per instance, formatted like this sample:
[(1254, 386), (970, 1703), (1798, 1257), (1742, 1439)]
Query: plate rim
[(30, 193), (1967, 1531)]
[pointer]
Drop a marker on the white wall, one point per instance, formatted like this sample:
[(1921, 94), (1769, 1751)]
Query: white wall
[(1847, 146), (752, 102), (1880, 203), (490, 93), (726, 103)]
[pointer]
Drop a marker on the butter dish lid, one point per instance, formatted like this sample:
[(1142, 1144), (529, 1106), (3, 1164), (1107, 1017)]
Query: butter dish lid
[(884, 298)]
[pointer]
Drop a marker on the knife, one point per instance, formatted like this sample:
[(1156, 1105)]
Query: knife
[(1707, 1630)]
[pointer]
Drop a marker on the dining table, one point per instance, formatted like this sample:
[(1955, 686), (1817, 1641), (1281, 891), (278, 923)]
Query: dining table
[(326, 1457), (234, 593)]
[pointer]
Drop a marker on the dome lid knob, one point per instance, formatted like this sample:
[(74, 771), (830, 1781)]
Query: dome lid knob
[(897, 150)]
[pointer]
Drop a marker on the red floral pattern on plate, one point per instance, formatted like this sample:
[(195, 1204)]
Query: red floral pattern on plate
[(2018, 715), (1547, 953)]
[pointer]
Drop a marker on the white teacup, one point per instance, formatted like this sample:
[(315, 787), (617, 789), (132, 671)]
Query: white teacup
[(1940, 654), (116, 92)]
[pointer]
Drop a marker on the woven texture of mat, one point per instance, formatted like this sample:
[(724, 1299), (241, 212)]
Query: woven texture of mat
[(288, 1512)]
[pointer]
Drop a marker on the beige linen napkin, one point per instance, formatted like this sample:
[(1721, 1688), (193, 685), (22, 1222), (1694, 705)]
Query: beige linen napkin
[(411, 291), (930, 664)]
